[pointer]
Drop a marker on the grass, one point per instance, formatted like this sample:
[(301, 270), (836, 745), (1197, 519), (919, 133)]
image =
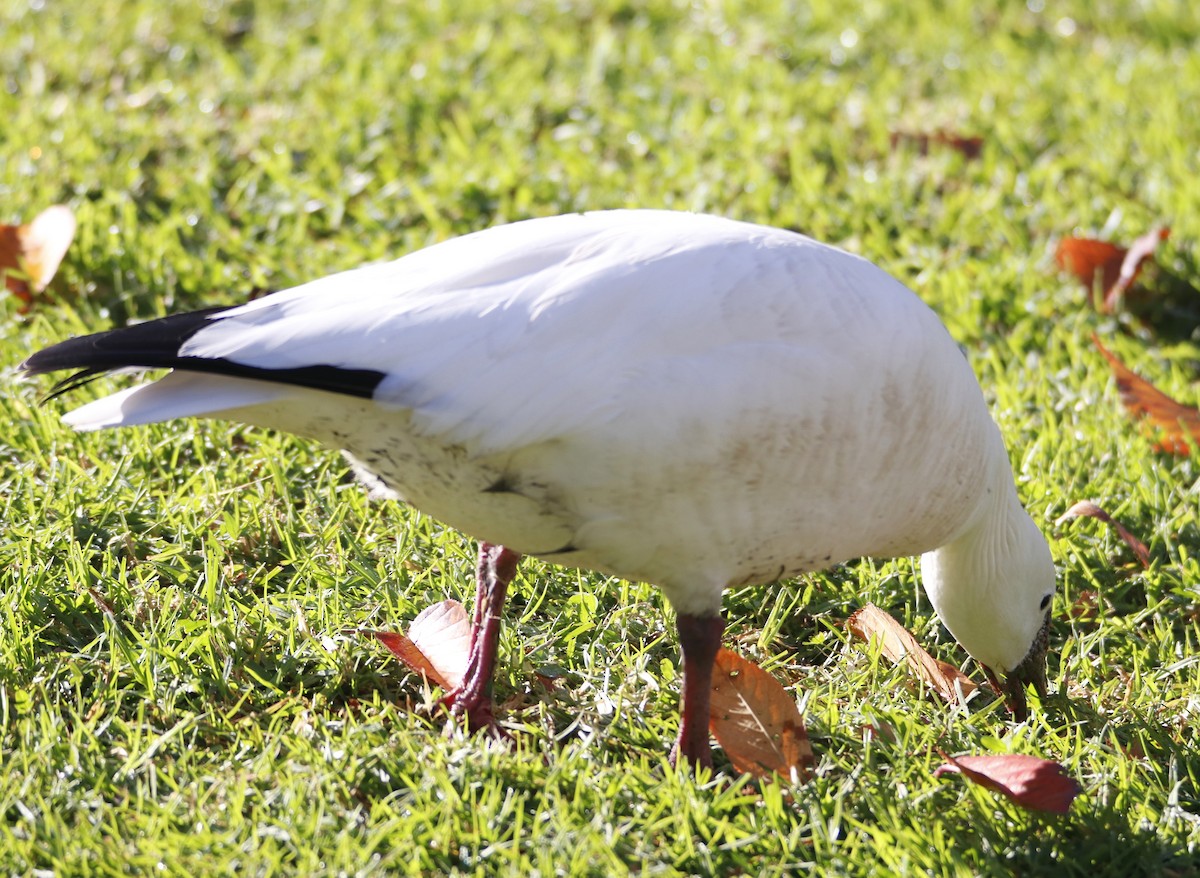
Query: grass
[(178, 693)]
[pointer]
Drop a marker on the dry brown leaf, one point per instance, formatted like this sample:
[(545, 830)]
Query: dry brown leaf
[(1033, 783), (1091, 261), (1115, 268), (1085, 607), (971, 147), (873, 623), (30, 254), (1142, 249), (1172, 422), (1091, 510), (437, 645), (878, 729), (756, 722)]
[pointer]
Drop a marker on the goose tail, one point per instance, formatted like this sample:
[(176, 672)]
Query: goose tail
[(196, 386)]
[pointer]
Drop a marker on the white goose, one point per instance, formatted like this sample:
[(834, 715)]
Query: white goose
[(676, 398)]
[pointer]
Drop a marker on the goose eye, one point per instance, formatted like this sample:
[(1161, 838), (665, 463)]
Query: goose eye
[(1045, 602)]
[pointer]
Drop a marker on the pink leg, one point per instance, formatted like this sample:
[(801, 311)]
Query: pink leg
[(473, 699), (699, 640)]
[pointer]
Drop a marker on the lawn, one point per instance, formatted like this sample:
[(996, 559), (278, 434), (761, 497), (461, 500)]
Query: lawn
[(182, 688)]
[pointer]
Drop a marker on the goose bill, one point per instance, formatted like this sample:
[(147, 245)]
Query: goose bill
[(1031, 670)]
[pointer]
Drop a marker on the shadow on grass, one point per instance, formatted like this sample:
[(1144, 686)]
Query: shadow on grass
[(1102, 842), (1169, 305)]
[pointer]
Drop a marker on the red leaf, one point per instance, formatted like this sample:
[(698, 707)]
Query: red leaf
[(1172, 421), (30, 254), (1091, 510), (437, 645), (872, 623), (756, 722), (1031, 782)]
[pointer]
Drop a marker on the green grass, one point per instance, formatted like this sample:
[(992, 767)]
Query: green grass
[(178, 693)]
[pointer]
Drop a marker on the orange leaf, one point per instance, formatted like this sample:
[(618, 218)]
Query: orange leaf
[(1089, 259), (1171, 420), (1091, 510), (897, 644), (756, 722), (30, 254), (437, 645), (1033, 783), (1142, 249), (1115, 267)]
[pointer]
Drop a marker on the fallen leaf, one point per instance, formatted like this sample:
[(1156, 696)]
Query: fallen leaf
[(30, 254), (1033, 783), (878, 729), (1132, 750), (1085, 607), (1089, 260), (105, 606), (549, 675), (756, 722), (1143, 248), (437, 645), (1112, 267), (970, 147), (872, 623), (1172, 422), (1091, 510)]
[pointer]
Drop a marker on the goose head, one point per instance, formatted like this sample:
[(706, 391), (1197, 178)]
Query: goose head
[(993, 588)]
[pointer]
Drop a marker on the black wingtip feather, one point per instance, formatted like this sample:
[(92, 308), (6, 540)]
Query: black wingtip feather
[(148, 345), (72, 382), (155, 345)]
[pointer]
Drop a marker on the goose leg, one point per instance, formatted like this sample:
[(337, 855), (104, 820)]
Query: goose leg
[(473, 699), (699, 641)]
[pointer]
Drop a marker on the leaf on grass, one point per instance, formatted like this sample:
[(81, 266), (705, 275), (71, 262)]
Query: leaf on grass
[(549, 675), (1085, 607), (877, 729), (1091, 261), (104, 605), (872, 623), (1142, 249), (1172, 422), (30, 254), (970, 147), (756, 722), (1033, 783), (1113, 267), (437, 645), (1091, 510)]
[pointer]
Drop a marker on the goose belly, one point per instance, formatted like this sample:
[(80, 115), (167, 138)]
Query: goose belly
[(778, 485)]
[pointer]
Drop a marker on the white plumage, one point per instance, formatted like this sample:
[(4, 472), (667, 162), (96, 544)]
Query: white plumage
[(668, 397)]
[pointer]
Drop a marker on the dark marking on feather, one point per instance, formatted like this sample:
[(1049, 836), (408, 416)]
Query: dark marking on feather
[(502, 485), (155, 344)]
